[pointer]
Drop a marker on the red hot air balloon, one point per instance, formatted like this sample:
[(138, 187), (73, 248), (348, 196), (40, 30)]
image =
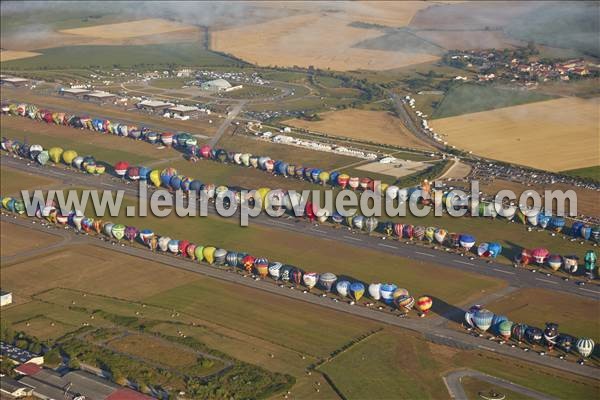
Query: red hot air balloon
[(342, 180), (525, 257), (121, 168), (309, 210), (205, 151), (540, 255), (248, 263), (183, 245), (398, 229)]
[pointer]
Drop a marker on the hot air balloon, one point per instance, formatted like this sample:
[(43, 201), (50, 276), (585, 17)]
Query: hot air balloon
[(505, 329), (275, 269), (358, 221), (375, 291), (68, 156), (525, 257), (183, 245), (534, 335), (469, 315), (571, 264), (343, 288), (357, 290), (483, 319), (155, 177), (106, 227), (310, 279), (166, 138), (551, 334), (532, 218), (419, 232), (565, 342), (467, 241), (343, 180), (388, 229), (121, 168), (387, 292), (87, 224), (77, 219), (145, 236), (327, 280), (133, 173), (55, 154), (285, 273), (590, 263), (296, 275), (398, 230), (399, 292), (245, 157), (555, 262), (43, 157), (248, 263), (543, 220), (353, 182), (232, 259), (199, 253), (557, 224), (408, 231), (482, 250), (423, 305), (208, 254), (219, 256), (405, 302), (261, 265), (518, 332), (540, 255), (497, 320), (118, 231), (371, 224), (131, 233)]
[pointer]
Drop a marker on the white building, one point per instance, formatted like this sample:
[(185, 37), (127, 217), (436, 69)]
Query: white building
[(217, 85), (5, 298)]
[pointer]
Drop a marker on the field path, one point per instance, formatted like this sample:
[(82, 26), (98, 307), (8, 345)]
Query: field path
[(453, 383)]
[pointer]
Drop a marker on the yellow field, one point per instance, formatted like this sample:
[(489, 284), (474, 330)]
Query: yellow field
[(131, 29), (553, 135), (322, 39), (9, 55), (374, 126)]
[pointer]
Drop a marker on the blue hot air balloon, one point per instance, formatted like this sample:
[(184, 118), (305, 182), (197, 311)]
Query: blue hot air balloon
[(314, 175), (333, 177), (195, 186), (144, 173), (494, 249), (557, 223), (543, 220), (282, 168), (576, 228), (175, 182), (496, 321), (483, 319), (387, 292), (165, 180), (586, 232)]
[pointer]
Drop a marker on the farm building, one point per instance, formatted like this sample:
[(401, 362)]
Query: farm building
[(5, 298), (14, 388), (20, 356), (100, 97), (217, 85), (183, 111), (73, 92), (153, 105), (12, 81)]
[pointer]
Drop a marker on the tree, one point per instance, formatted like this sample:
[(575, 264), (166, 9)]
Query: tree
[(53, 357)]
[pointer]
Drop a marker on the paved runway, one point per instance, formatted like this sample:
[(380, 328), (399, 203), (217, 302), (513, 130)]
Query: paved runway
[(516, 277), (437, 334)]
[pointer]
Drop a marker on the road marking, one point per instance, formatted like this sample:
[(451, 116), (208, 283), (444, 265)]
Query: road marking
[(590, 290), (425, 254), (317, 230), (486, 348), (353, 238), (386, 245), (282, 223), (504, 272), (463, 262), (546, 280)]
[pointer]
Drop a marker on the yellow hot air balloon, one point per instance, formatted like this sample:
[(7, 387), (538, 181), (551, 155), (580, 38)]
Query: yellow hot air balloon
[(262, 195), (382, 188), (55, 153), (100, 169), (155, 177), (68, 156), (324, 177), (209, 254), (5, 202)]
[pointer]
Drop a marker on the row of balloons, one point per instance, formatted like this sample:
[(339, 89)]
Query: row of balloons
[(189, 144), (570, 263), (484, 320), (169, 178), (388, 293)]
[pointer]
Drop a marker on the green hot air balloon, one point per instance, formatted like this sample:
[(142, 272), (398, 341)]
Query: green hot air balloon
[(118, 231), (590, 259), (199, 253), (43, 157)]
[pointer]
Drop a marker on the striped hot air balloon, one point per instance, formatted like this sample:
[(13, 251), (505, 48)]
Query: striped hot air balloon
[(327, 280), (310, 279), (483, 319), (423, 305)]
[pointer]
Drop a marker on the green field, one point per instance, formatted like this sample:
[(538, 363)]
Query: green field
[(284, 76), (329, 81), (592, 173), (168, 83), (142, 56), (311, 104), (12, 181), (471, 98), (252, 92)]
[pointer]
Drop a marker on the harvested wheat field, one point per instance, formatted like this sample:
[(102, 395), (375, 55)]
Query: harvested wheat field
[(324, 40), (99, 271), (9, 55), (553, 135), (131, 29), (373, 126), (17, 240)]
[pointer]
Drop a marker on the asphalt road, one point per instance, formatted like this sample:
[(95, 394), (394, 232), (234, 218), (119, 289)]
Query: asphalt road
[(226, 123), (516, 277), (454, 385), (437, 334)]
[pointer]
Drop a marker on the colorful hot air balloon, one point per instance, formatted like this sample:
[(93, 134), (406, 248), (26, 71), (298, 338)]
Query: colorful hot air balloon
[(496, 321), (423, 305), (555, 262), (557, 224), (534, 335), (483, 319), (398, 230), (121, 168), (118, 231), (310, 279), (405, 302), (357, 290), (505, 329), (327, 280), (518, 332), (551, 334), (469, 315), (248, 263), (274, 270), (343, 180), (387, 292), (183, 245), (208, 254), (262, 267), (540, 255), (131, 233), (467, 241), (232, 259)]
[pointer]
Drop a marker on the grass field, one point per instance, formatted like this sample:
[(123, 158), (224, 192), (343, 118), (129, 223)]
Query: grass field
[(537, 306), (592, 173), (567, 126), (13, 181), (44, 328), (143, 27), (252, 92), (18, 240), (120, 56), (107, 148), (154, 350), (372, 126), (471, 98)]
